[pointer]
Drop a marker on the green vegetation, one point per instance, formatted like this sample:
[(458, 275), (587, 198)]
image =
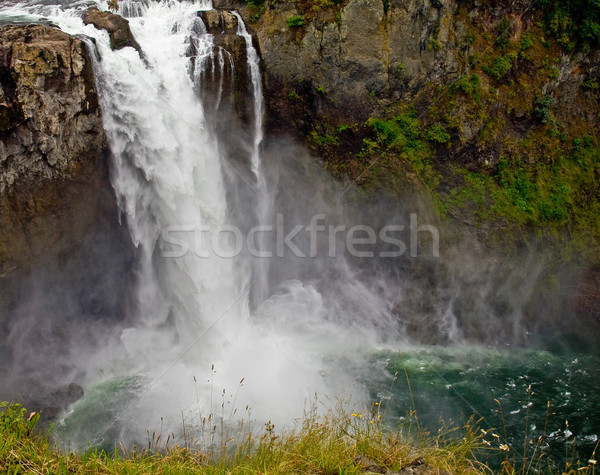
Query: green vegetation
[(295, 21), (525, 43), (546, 195), (573, 22), (543, 107), (399, 141), (499, 66), (469, 85), (437, 133), (591, 83), (322, 140), (336, 442), (434, 45), (503, 32)]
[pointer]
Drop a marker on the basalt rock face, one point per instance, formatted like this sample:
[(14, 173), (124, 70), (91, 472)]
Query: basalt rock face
[(52, 148), (64, 258), (220, 66), (347, 61), (116, 25), (342, 59)]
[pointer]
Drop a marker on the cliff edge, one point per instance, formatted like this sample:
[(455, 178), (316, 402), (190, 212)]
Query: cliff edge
[(54, 176)]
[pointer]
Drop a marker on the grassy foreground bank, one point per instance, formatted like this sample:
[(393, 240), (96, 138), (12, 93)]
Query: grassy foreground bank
[(337, 442)]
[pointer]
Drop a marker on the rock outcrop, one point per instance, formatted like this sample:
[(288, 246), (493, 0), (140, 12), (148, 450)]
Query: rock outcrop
[(53, 167), (64, 258), (354, 54), (339, 63), (222, 67), (116, 26)]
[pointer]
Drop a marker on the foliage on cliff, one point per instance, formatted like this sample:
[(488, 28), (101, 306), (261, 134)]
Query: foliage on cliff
[(504, 138)]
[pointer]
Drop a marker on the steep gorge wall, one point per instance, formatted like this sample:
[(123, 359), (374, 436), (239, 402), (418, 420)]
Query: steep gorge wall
[(402, 96), (65, 261), (344, 59), (352, 60), (54, 183), (489, 110)]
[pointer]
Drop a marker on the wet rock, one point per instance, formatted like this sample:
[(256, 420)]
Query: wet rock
[(117, 27), (52, 143), (219, 22), (348, 60)]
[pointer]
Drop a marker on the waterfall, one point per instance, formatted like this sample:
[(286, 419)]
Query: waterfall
[(264, 203), (192, 307), (212, 328), (254, 66)]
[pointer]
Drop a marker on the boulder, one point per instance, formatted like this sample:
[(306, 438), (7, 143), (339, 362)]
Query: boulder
[(117, 27)]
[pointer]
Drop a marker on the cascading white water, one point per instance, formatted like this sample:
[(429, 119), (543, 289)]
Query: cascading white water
[(264, 202), (254, 66), (192, 308)]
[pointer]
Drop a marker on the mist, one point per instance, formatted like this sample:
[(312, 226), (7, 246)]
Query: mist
[(266, 286)]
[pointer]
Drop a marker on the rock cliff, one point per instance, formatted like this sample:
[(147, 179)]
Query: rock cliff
[(490, 111), (116, 26), (64, 258), (53, 146), (487, 110)]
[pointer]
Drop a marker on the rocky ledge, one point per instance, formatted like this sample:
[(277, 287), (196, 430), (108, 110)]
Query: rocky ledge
[(116, 26), (52, 144)]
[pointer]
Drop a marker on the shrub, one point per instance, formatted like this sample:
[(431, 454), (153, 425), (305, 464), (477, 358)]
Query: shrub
[(503, 33), (591, 83), (526, 42), (434, 45), (498, 67), (295, 21), (542, 110), (437, 133), (469, 85), (573, 22)]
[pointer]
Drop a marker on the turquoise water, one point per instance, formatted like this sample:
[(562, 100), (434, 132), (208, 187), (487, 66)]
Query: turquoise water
[(553, 398)]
